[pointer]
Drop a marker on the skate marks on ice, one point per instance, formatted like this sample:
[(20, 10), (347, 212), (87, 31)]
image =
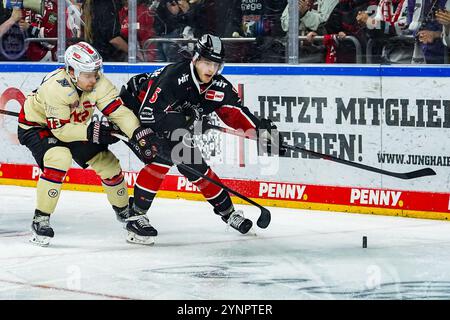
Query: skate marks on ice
[(407, 290), (241, 273)]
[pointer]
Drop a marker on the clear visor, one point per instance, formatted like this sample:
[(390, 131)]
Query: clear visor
[(217, 66), (89, 75)]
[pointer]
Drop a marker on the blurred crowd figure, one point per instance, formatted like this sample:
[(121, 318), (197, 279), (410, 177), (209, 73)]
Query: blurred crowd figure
[(389, 31), (20, 26)]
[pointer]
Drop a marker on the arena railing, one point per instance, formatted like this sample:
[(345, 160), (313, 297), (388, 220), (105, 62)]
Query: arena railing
[(402, 38)]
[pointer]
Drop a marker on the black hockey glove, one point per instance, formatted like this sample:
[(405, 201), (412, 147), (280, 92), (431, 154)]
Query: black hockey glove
[(196, 123), (192, 115), (129, 93), (269, 139), (100, 132), (147, 144)]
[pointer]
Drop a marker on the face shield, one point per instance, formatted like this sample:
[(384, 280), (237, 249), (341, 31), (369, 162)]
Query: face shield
[(217, 65)]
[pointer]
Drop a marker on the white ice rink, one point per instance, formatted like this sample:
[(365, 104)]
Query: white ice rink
[(302, 255)]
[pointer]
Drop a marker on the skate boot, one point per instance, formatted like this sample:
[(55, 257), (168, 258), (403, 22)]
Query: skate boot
[(41, 230), (139, 229), (237, 221), (122, 214)]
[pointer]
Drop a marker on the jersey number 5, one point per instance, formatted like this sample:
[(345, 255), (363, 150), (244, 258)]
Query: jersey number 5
[(155, 95)]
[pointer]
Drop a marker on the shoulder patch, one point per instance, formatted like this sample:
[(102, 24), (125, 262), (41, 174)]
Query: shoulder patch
[(63, 83), (214, 95)]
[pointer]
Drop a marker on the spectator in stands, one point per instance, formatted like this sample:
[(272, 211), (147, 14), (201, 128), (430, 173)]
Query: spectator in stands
[(102, 29), (8, 19), (389, 20), (174, 19), (12, 38), (313, 15), (218, 18), (221, 18), (429, 47), (41, 25), (342, 22), (260, 19), (443, 17), (74, 22), (145, 19)]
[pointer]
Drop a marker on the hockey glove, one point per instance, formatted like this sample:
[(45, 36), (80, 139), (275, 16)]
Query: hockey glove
[(99, 132), (269, 139), (129, 93), (196, 123), (192, 115), (149, 144)]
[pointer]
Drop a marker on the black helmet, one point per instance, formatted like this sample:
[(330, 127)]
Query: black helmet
[(210, 47)]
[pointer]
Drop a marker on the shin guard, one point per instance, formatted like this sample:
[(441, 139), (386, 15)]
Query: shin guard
[(116, 190), (215, 195), (147, 185)]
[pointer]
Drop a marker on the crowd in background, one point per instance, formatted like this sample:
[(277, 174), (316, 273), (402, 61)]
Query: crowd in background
[(389, 31)]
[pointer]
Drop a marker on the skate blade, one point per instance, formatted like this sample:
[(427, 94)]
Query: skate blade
[(42, 241), (136, 239)]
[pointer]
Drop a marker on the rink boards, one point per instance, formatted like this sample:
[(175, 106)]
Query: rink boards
[(345, 199), (393, 118)]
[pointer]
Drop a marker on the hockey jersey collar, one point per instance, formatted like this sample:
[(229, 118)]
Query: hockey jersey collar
[(195, 80)]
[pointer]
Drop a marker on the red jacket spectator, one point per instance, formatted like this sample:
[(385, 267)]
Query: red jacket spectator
[(145, 20), (343, 21), (45, 26)]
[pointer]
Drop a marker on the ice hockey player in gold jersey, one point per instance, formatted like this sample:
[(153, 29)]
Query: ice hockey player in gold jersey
[(55, 124)]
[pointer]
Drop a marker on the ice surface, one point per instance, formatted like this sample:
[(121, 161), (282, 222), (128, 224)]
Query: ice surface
[(301, 255)]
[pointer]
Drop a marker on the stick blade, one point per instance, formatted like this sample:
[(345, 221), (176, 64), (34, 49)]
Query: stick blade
[(264, 218), (419, 173)]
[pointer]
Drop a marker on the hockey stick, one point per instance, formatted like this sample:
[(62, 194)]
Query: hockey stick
[(264, 217), (9, 113), (407, 175)]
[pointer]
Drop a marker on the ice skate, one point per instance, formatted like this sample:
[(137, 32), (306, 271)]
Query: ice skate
[(139, 229), (122, 214), (237, 221), (41, 230)]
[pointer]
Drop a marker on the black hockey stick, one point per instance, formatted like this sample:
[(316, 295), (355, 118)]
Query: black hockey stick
[(9, 113), (264, 217), (407, 175)]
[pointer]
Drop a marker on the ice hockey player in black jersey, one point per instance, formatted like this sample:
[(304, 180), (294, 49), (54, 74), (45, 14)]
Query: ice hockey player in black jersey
[(167, 102)]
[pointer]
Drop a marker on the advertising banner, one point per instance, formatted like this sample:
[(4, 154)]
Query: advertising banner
[(398, 124)]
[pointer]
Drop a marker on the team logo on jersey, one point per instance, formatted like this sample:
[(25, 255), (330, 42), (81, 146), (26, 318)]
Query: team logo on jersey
[(220, 83), (183, 79), (157, 72), (147, 115), (186, 105), (63, 83), (214, 95)]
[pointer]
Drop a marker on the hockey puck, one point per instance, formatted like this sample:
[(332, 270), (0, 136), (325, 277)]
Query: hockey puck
[(364, 242)]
